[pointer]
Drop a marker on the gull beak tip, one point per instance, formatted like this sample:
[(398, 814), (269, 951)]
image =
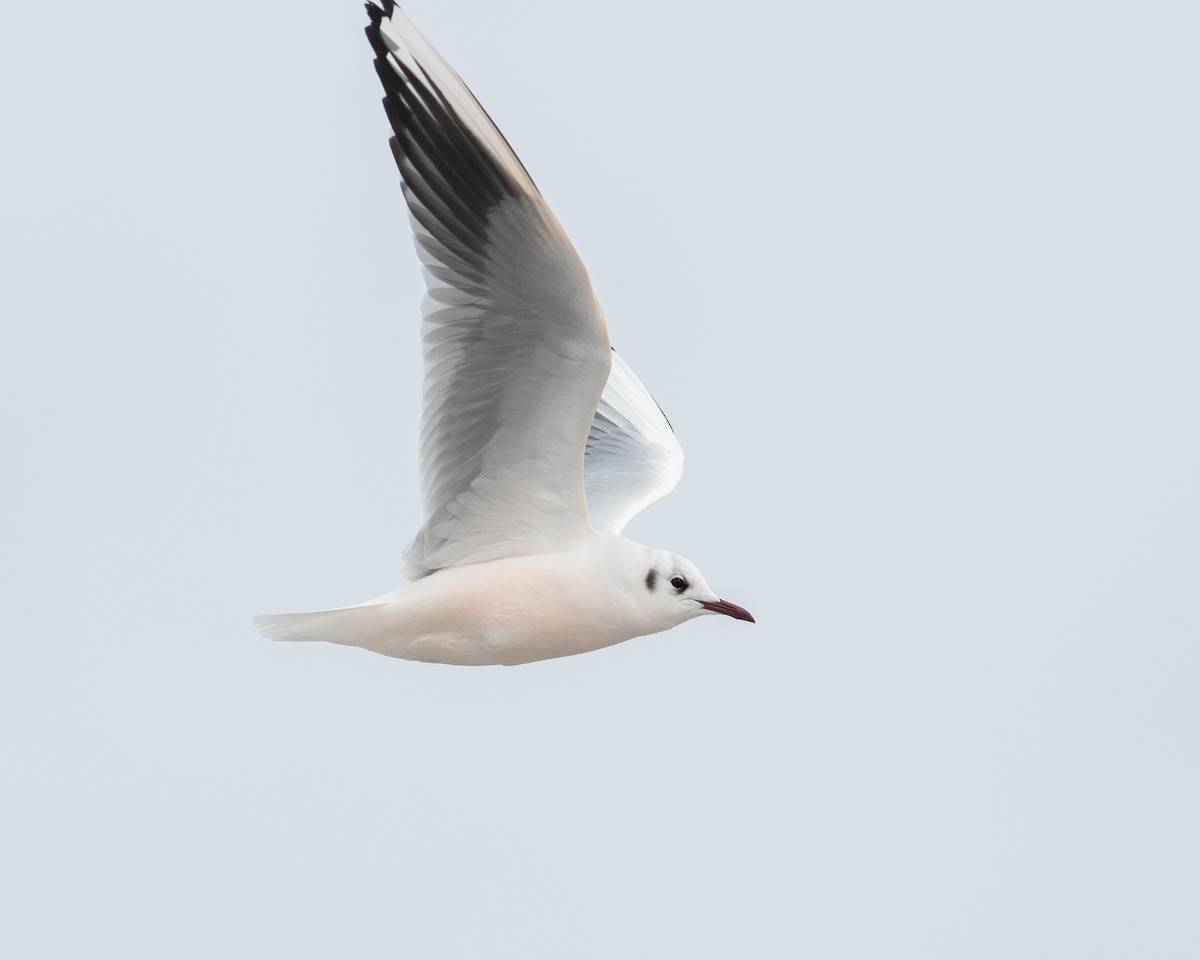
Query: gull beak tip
[(729, 609)]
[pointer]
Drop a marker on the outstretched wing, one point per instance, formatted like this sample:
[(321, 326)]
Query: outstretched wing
[(516, 351), (632, 458)]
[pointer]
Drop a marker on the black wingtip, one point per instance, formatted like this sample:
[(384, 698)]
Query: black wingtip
[(374, 31), (376, 14), (379, 11)]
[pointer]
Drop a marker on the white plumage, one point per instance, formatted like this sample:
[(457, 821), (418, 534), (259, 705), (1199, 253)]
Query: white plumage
[(538, 442)]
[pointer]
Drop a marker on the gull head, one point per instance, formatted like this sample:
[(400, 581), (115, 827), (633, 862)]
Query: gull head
[(675, 591)]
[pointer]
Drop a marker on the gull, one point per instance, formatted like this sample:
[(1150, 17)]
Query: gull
[(538, 442)]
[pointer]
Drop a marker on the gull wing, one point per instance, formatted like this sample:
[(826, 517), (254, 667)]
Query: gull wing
[(516, 351), (632, 458)]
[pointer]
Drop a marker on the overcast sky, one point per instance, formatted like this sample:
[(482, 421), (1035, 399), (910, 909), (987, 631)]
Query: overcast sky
[(917, 285)]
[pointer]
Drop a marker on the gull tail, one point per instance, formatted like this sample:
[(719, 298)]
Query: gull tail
[(350, 625)]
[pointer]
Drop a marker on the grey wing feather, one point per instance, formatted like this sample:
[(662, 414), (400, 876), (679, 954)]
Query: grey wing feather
[(633, 458), (515, 347)]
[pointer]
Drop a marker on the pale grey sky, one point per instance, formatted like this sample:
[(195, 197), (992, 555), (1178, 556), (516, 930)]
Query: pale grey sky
[(917, 285)]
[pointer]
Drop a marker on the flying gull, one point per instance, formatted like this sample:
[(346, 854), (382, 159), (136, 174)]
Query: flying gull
[(538, 443)]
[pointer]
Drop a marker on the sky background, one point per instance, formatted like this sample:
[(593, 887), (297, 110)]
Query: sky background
[(917, 285)]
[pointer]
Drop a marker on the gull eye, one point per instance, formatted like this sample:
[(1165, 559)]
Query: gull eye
[(679, 584)]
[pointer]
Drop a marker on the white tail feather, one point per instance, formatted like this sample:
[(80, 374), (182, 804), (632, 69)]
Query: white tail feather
[(343, 625)]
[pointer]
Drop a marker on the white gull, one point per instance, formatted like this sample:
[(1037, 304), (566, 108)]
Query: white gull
[(538, 443)]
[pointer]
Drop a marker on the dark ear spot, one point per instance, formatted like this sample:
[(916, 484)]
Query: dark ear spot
[(651, 579)]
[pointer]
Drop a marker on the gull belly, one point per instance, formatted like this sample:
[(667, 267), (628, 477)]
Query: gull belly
[(499, 612)]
